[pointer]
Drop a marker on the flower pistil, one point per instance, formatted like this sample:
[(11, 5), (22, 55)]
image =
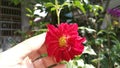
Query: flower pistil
[(62, 41)]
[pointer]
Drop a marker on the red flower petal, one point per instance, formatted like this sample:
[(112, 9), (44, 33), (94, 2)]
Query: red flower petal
[(66, 55), (63, 41)]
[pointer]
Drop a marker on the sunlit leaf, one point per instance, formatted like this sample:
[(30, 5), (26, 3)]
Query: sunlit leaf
[(86, 1), (70, 64), (101, 32), (99, 7), (80, 63), (90, 30), (53, 9), (89, 50), (87, 29), (28, 15), (29, 10), (49, 4), (65, 4), (78, 4)]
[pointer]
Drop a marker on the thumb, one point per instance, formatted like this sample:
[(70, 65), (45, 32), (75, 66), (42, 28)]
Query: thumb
[(24, 48)]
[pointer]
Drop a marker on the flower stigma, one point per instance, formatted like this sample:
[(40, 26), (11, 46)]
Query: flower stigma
[(62, 41)]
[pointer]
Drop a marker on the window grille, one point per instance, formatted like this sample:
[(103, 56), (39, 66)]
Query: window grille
[(10, 18)]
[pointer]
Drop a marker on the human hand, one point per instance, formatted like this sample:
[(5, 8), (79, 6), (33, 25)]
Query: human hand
[(25, 54)]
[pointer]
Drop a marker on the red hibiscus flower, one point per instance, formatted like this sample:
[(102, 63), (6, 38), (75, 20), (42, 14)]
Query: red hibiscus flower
[(63, 42)]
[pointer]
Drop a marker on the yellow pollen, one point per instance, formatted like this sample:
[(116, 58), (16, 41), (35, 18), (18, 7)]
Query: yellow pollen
[(62, 41)]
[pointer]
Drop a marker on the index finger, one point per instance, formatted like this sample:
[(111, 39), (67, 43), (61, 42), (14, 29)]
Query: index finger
[(37, 54), (26, 47)]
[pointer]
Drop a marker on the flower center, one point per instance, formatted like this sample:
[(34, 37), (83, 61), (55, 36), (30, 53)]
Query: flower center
[(62, 41)]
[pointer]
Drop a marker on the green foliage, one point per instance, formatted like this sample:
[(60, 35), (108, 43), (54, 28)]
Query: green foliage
[(80, 5)]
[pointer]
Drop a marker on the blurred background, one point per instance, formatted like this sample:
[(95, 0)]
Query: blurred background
[(98, 20)]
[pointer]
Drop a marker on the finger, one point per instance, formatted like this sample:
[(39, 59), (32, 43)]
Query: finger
[(47, 62), (44, 62), (60, 66), (27, 63), (37, 54), (25, 48)]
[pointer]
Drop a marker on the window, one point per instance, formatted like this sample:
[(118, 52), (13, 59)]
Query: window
[(10, 18)]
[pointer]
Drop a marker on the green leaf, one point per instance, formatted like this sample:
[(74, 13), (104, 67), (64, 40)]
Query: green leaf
[(65, 4), (29, 10), (28, 15), (87, 29), (53, 9), (99, 41), (49, 4), (98, 7), (101, 32), (80, 5), (112, 33), (97, 60), (31, 22), (69, 65)]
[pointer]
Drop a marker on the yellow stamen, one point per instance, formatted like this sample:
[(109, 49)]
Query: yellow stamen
[(62, 41)]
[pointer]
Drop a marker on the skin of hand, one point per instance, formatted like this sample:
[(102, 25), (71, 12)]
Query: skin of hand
[(23, 55)]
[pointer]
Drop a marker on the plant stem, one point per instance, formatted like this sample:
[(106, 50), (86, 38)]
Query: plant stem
[(108, 41), (99, 49), (57, 11), (98, 65)]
